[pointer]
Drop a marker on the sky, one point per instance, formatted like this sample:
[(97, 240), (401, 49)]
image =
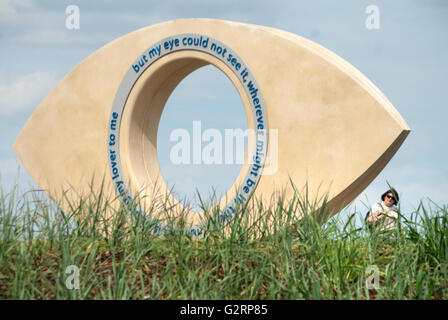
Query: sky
[(406, 58)]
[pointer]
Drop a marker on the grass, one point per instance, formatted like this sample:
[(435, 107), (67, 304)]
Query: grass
[(124, 258)]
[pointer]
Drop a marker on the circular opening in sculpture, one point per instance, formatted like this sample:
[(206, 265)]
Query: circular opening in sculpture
[(136, 113), (140, 123), (202, 138)]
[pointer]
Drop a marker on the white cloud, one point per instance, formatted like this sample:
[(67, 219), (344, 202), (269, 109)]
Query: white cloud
[(24, 92)]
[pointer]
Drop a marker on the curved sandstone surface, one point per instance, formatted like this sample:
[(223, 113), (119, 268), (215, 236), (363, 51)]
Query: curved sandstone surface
[(328, 126)]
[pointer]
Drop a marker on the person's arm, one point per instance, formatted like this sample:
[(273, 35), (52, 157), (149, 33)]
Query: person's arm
[(379, 217), (370, 218), (375, 218), (393, 216), (376, 213)]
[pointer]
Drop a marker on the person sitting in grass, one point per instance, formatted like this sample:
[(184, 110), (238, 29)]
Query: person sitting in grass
[(384, 214)]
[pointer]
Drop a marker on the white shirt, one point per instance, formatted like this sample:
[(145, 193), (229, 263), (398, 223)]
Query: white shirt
[(387, 222)]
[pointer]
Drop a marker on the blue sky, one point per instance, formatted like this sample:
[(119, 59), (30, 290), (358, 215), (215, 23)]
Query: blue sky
[(406, 59)]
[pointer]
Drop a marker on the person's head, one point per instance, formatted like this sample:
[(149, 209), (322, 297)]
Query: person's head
[(390, 197)]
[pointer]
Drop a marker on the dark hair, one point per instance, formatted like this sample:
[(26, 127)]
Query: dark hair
[(394, 192)]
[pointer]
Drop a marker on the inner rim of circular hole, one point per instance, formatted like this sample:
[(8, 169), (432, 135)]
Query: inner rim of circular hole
[(199, 144)]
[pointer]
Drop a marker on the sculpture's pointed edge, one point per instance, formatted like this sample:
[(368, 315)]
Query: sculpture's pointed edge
[(353, 190)]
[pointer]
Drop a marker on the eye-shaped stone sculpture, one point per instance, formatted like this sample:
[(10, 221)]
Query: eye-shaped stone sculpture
[(334, 130)]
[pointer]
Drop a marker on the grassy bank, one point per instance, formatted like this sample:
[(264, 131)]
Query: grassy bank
[(305, 259)]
